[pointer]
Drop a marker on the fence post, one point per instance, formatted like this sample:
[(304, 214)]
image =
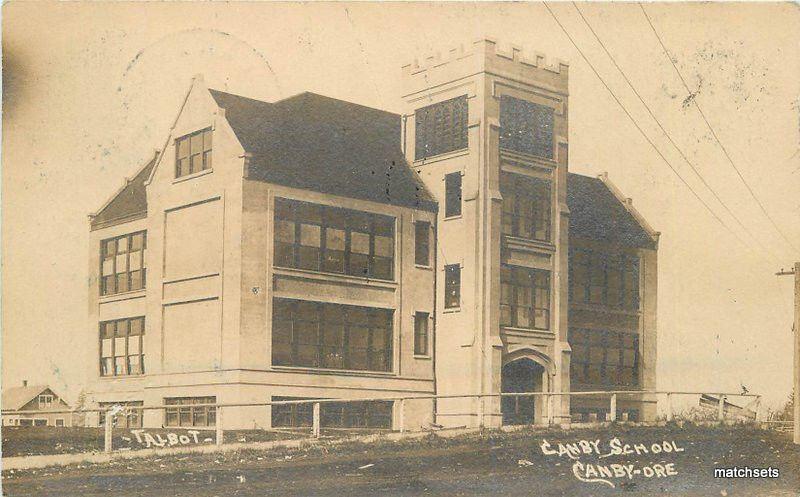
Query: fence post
[(315, 431), (721, 409), (107, 438), (757, 407), (670, 414), (401, 416), (219, 433), (613, 408)]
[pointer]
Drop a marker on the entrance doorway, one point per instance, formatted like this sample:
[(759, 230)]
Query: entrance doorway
[(522, 375)]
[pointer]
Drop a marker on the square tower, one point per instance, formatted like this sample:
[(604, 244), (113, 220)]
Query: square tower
[(486, 129)]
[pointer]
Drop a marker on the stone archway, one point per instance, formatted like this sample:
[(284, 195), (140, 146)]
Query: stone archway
[(522, 375)]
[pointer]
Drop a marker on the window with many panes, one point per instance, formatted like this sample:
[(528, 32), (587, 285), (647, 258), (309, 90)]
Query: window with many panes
[(46, 401), (441, 128), (452, 194), (603, 278), (366, 414), (193, 153), (332, 239), (526, 127), (452, 286), (526, 207), (331, 336), (122, 347), (524, 297), (190, 411), (421, 336), (603, 357), (123, 263), (422, 243), (128, 417)]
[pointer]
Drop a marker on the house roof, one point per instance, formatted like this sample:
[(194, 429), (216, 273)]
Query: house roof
[(319, 143), (15, 398), (128, 202), (596, 213)]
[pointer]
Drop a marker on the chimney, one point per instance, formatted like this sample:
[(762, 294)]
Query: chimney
[(24, 383)]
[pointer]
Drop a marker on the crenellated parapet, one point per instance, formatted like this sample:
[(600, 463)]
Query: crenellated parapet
[(484, 55)]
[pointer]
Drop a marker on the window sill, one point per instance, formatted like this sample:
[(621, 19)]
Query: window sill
[(122, 377), (451, 310), (324, 276), (452, 218), (421, 266), (344, 372), (528, 157), (188, 177), (122, 296), (422, 357), (526, 331), (443, 156), (528, 243)]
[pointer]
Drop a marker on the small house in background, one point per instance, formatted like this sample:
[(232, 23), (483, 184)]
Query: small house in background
[(18, 400)]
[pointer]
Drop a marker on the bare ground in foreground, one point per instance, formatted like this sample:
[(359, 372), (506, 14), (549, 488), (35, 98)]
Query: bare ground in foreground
[(492, 463)]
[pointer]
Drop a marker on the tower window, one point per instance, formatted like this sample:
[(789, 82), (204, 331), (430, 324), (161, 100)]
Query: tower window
[(524, 298), (422, 243), (441, 127), (421, 333), (452, 194), (526, 207), (452, 286), (526, 127)]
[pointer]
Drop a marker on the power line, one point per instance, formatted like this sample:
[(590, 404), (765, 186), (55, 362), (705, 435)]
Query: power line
[(625, 110), (666, 133), (713, 133)]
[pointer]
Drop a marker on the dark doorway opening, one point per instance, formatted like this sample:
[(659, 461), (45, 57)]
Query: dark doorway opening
[(522, 375)]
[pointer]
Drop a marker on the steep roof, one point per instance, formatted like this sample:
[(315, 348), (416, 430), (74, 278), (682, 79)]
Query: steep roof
[(129, 202), (596, 213), (319, 143), (15, 398)]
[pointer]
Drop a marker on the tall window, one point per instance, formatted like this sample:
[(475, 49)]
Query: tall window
[(526, 127), (331, 336), (323, 238), (122, 347), (526, 207), (366, 414), (452, 286), (193, 153), (128, 418), (602, 278), (524, 297), (604, 357), (421, 333), (123, 263), (422, 243), (189, 411), (441, 127), (452, 194)]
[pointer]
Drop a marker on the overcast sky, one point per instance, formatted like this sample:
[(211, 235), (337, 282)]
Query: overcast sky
[(90, 90)]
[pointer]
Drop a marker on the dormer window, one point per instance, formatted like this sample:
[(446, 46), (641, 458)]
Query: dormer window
[(193, 153)]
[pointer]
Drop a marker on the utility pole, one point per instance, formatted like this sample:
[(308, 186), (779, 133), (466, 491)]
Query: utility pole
[(796, 273)]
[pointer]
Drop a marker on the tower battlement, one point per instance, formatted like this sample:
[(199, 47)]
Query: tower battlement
[(484, 55)]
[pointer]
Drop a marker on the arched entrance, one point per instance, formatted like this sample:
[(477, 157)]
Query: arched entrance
[(521, 375)]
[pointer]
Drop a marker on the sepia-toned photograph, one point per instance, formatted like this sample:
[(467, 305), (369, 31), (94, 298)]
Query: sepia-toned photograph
[(370, 248)]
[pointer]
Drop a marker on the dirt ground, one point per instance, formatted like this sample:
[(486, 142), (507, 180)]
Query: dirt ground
[(509, 464)]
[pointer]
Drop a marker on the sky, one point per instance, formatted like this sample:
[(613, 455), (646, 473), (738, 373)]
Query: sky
[(91, 89)]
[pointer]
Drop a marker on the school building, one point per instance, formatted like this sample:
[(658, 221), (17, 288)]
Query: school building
[(317, 248)]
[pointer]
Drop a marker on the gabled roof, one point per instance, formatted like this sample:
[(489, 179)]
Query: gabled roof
[(127, 203), (17, 397), (318, 143), (597, 213)]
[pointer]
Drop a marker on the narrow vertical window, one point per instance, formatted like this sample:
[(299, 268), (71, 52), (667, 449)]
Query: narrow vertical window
[(422, 243), (452, 286), (421, 333), (452, 200)]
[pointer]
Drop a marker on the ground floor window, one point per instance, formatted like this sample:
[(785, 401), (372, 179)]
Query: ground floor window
[(367, 414), (190, 411), (127, 417), (591, 415), (59, 422)]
